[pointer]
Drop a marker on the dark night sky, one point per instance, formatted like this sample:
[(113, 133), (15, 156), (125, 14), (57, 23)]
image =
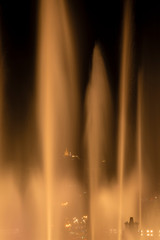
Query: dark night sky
[(93, 21)]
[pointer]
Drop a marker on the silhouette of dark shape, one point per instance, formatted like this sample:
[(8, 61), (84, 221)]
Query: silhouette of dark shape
[(131, 228)]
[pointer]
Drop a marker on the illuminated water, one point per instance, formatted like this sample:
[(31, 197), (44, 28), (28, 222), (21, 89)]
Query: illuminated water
[(98, 120), (125, 78), (139, 145), (37, 213), (57, 103)]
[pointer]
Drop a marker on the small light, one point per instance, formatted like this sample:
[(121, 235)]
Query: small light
[(68, 225), (148, 234), (75, 220), (147, 231), (151, 231), (64, 204)]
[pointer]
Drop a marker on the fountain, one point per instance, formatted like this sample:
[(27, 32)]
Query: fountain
[(57, 101), (139, 145), (99, 115), (124, 99), (43, 210)]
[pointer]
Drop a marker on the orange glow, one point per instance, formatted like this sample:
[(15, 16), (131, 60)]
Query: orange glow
[(66, 153), (98, 119), (64, 204), (68, 225), (123, 105)]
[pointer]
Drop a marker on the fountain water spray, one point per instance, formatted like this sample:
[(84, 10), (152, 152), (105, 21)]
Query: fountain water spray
[(98, 111), (123, 101), (139, 144), (57, 100)]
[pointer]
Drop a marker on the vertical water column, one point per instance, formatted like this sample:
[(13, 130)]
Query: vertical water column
[(123, 104), (45, 105), (57, 102), (139, 146), (98, 110)]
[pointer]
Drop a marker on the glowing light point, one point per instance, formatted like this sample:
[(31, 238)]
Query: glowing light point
[(66, 153)]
